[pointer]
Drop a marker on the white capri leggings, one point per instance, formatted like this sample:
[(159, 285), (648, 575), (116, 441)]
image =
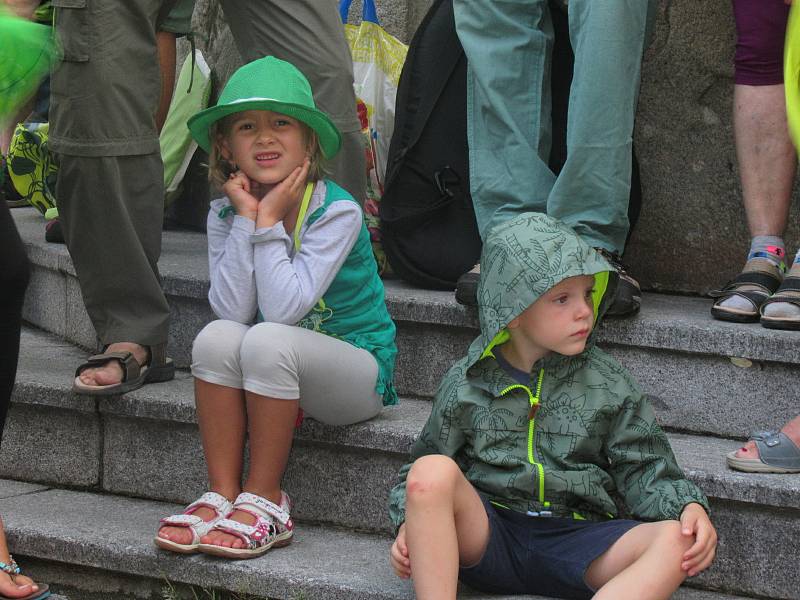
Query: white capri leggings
[(334, 380)]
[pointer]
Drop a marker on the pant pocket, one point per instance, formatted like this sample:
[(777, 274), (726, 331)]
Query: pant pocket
[(72, 28)]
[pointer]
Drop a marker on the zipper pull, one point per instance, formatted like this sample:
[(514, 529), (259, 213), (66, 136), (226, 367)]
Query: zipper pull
[(532, 412)]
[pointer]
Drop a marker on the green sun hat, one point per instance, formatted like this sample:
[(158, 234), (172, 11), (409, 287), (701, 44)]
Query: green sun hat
[(268, 84), (27, 52)]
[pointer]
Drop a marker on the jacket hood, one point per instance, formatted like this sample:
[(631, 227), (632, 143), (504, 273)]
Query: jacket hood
[(521, 260)]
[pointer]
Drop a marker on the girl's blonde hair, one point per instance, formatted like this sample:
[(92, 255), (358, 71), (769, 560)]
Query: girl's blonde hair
[(220, 168)]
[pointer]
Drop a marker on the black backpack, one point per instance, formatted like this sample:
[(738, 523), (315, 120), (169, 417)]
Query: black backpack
[(428, 224)]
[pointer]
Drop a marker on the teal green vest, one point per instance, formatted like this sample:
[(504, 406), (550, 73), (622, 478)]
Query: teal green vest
[(353, 307)]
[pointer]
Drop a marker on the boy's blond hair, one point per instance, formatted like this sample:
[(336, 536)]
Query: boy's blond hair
[(220, 168)]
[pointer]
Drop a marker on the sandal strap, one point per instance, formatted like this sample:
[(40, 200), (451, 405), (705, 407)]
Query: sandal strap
[(767, 283), (182, 520), (263, 507), (12, 568), (217, 502), (790, 284), (130, 366), (778, 451), (778, 298)]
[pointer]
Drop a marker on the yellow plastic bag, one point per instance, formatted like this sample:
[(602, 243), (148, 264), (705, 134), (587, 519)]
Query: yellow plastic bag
[(791, 73), (378, 59)]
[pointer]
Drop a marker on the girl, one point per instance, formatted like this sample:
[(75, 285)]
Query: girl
[(289, 250)]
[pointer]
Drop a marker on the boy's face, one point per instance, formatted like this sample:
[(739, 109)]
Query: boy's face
[(559, 321), (266, 146)]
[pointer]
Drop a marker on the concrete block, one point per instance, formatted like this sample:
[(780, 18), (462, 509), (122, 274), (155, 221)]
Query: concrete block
[(86, 530), (78, 328), (9, 488), (45, 300), (50, 445)]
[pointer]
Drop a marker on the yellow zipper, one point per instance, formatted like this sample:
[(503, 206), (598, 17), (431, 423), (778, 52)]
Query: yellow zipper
[(534, 400)]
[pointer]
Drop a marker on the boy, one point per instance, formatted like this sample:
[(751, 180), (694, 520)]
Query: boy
[(531, 438)]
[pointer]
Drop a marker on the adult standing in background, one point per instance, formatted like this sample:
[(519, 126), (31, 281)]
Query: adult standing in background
[(310, 35), (509, 48), (110, 184)]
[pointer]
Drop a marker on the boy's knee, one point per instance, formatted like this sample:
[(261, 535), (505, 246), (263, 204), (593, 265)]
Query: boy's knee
[(669, 536), (431, 477)]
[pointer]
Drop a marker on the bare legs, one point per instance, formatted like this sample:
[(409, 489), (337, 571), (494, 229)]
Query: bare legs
[(767, 159), (225, 416), (446, 524)]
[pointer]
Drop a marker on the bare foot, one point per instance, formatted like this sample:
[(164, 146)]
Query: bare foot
[(183, 535), (220, 538), (17, 586), (791, 430), (111, 372)]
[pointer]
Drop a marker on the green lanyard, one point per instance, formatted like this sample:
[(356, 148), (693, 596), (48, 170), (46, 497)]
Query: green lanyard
[(302, 215)]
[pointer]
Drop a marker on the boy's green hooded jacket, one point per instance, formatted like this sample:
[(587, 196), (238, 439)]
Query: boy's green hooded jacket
[(593, 442)]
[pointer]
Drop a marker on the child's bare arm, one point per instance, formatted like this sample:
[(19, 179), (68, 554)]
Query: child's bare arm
[(695, 523), (398, 555)]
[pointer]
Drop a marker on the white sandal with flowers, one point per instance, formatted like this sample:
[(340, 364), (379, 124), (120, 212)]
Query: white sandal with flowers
[(221, 506), (273, 527)]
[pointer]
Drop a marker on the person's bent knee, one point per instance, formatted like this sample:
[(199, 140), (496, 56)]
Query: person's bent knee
[(268, 345), (431, 477), (672, 543), (217, 345)]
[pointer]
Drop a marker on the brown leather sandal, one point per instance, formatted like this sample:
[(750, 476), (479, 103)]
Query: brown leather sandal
[(158, 368)]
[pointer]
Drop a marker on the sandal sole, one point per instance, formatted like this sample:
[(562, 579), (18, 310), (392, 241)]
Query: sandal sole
[(44, 592), (243, 553), (174, 546), (755, 466), (785, 324), (733, 317)]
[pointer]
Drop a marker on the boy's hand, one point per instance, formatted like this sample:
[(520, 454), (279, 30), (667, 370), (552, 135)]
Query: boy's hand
[(695, 523), (398, 556), (282, 198), (237, 189)]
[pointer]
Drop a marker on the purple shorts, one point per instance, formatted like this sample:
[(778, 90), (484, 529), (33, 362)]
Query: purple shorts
[(760, 31)]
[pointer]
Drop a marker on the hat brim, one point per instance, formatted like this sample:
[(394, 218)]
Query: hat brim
[(330, 140)]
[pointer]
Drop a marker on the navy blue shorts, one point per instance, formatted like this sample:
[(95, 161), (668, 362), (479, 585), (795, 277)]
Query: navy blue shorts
[(547, 556)]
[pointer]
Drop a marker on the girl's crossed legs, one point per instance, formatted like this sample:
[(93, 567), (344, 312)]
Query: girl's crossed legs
[(447, 528), (250, 381)]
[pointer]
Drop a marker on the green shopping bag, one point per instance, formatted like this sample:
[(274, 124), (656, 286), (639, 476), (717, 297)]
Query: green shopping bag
[(191, 95), (27, 52)]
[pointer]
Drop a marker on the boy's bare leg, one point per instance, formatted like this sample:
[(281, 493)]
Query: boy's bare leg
[(644, 564), (271, 430), (223, 423), (446, 525)]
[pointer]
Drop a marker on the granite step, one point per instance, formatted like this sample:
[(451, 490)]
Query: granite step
[(146, 444), (87, 542), (703, 376)]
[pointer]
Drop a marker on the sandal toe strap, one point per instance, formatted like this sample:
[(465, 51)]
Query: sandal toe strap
[(216, 502), (779, 451), (766, 282), (262, 507), (130, 366)]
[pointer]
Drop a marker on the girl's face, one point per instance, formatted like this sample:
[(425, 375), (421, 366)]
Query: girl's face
[(266, 146)]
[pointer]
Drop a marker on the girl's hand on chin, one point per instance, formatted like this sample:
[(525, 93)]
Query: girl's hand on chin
[(237, 189), (284, 197)]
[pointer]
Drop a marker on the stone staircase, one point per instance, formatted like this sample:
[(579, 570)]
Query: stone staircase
[(87, 479)]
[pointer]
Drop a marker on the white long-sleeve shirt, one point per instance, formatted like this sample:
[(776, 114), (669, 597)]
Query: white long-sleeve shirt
[(258, 269)]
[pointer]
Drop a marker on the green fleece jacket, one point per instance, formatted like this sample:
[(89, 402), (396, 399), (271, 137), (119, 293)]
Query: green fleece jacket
[(581, 440)]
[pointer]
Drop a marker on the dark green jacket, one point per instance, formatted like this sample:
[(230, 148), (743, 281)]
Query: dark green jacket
[(593, 440)]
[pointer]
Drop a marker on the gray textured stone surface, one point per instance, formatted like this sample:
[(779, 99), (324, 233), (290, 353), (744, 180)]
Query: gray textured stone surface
[(51, 445), (114, 534), (151, 445), (9, 488)]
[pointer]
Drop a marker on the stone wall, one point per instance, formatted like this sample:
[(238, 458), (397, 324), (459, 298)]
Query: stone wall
[(691, 234)]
